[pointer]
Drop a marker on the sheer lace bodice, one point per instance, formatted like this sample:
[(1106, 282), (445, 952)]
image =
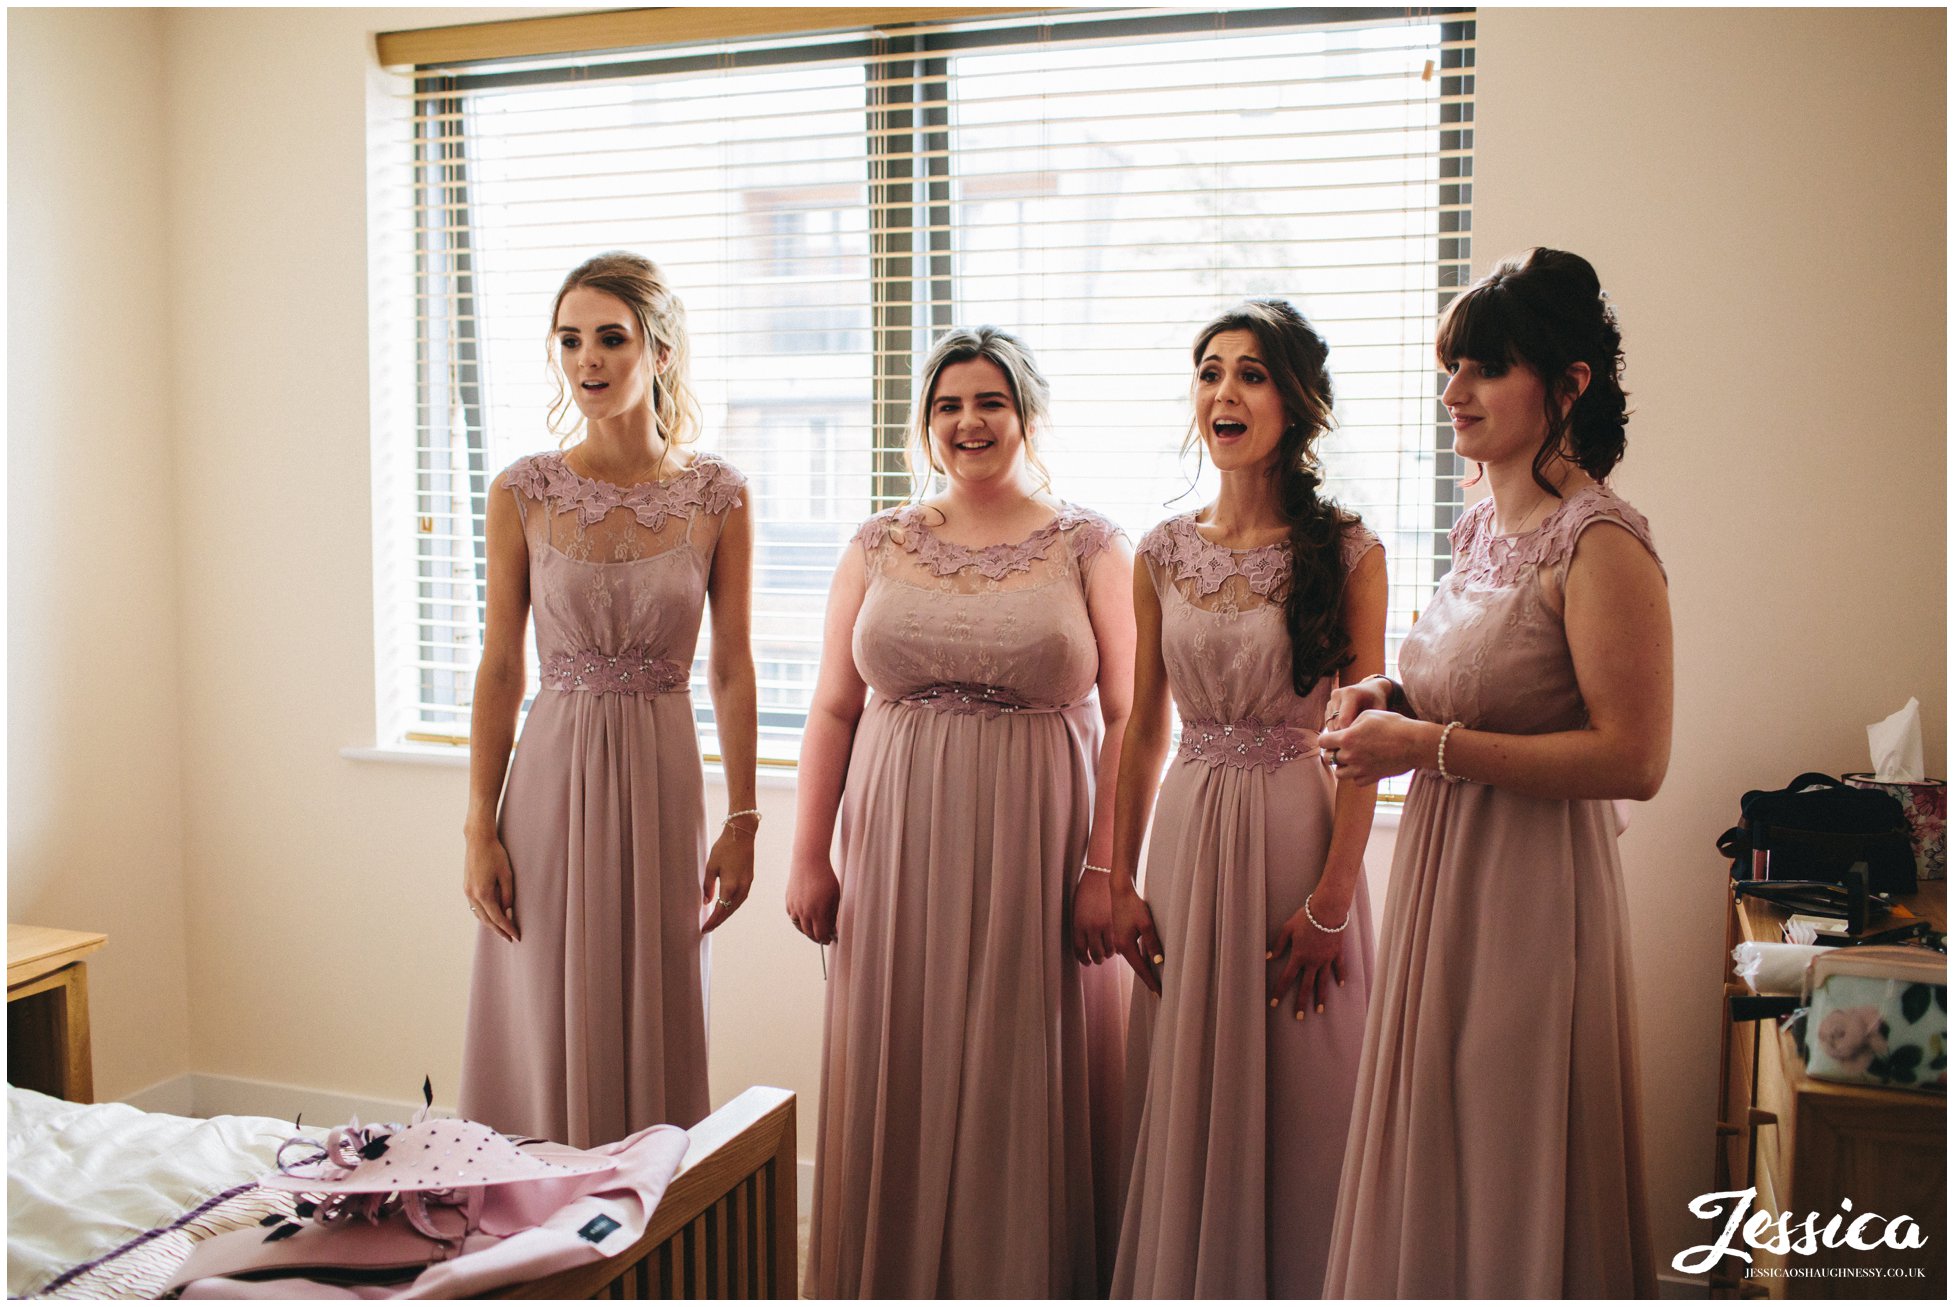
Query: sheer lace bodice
[(991, 630), (1226, 648), (1490, 650), (617, 574)]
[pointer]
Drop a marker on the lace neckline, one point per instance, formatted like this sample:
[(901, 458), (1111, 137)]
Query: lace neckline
[(1193, 521), (1085, 532), (561, 458), (1481, 557), (1566, 502), (710, 485), (994, 562), (1205, 565)]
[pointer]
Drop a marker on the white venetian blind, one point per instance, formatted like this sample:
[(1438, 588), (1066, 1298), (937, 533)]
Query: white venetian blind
[(1099, 183)]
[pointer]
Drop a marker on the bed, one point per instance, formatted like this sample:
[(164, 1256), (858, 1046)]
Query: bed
[(105, 1200)]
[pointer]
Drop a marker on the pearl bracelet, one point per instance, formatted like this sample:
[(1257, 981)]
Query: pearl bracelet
[(1089, 867), (1443, 736), (1327, 930), (744, 812)]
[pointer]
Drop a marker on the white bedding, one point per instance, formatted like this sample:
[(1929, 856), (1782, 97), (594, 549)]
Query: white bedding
[(84, 1180)]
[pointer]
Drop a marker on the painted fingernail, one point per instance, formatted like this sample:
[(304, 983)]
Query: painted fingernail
[(1269, 956), (1300, 1014), (1158, 958), (1319, 1007), (1274, 1001)]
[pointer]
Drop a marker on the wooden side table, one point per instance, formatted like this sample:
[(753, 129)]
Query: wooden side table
[(47, 1011), (1806, 1145)]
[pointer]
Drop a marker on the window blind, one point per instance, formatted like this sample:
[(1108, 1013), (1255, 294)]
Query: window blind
[(827, 203)]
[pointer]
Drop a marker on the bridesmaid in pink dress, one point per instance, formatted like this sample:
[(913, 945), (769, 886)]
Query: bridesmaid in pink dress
[(1243, 1045), (1496, 1150), (590, 878), (967, 1143)]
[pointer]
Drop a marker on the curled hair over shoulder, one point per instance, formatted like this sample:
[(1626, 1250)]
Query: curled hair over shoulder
[(1297, 359), (660, 316), (1545, 309), (1029, 391)]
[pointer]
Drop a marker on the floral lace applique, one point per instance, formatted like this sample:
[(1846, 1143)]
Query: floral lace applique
[(1189, 556), (629, 671), (1481, 557), (943, 558), (1245, 744), (711, 485)]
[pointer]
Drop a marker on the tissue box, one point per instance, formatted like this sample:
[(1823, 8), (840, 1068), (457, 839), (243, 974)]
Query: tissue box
[(1925, 805)]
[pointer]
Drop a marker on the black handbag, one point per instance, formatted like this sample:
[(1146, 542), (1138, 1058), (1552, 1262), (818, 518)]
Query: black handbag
[(1817, 828)]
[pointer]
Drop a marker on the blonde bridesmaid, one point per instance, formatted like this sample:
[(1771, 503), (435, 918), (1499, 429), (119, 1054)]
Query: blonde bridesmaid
[(589, 875)]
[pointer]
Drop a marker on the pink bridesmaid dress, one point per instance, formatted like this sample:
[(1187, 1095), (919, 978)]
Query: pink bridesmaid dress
[(594, 1025), (1238, 1112), (967, 1144), (1496, 1150)]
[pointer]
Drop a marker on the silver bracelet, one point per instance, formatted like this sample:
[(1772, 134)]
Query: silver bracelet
[(1089, 867), (744, 812), (1327, 930), (1443, 736)]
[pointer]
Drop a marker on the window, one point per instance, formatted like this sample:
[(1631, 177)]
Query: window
[(826, 204)]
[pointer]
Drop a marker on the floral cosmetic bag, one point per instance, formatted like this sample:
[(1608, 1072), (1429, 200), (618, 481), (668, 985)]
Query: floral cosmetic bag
[(1878, 1016)]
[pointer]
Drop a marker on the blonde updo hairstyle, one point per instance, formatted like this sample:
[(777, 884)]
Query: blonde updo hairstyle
[(660, 316), (1029, 391)]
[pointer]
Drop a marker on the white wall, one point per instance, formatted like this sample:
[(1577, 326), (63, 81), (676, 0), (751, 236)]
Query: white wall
[(94, 830), (1786, 363), (1763, 193)]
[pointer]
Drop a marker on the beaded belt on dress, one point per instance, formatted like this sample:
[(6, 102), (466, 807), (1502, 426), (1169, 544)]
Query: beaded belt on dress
[(1245, 743), (629, 671), (985, 700)]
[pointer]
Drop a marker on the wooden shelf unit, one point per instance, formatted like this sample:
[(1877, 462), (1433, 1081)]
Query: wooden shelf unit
[(1807, 1144)]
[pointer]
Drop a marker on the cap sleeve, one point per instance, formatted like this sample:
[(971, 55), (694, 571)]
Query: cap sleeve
[(1604, 505), (874, 533), (1090, 533), (1157, 545), (723, 484), (1358, 540), (528, 476)]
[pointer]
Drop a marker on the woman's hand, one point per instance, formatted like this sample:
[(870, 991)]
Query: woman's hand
[(730, 867), (489, 883), (1093, 937), (1379, 744), (813, 899), (1347, 701), (1313, 965), (1135, 937)]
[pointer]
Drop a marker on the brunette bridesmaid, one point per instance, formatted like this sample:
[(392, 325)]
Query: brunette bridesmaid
[(968, 1136), (589, 875), (1496, 1150), (1254, 937)]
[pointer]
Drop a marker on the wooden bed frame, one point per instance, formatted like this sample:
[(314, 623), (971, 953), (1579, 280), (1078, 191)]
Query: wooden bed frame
[(727, 1226)]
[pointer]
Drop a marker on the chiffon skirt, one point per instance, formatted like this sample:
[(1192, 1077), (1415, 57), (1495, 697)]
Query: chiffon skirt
[(594, 1025), (968, 1135), (1496, 1150), (1237, 1112)]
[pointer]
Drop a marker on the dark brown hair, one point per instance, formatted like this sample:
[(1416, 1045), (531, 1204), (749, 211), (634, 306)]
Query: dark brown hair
[(1296, 357), (1545, 309)]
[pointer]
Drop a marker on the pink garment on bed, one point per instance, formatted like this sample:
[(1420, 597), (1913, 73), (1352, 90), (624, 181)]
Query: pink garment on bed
[(549, 1235)]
